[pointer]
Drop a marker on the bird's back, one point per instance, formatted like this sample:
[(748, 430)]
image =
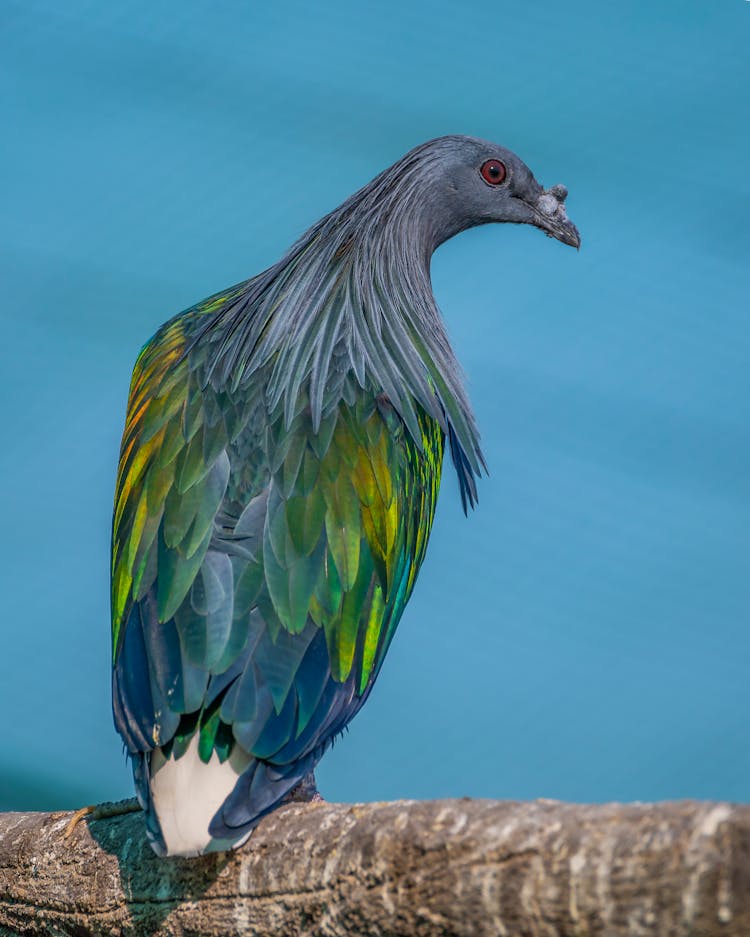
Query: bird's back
[(261, 562)]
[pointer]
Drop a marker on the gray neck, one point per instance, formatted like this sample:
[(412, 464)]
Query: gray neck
[(352, 301)]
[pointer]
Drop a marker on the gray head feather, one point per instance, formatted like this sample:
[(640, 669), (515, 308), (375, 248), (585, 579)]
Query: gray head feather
[(352, 300)]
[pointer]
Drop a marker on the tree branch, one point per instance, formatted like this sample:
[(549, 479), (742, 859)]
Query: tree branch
[(463, 867)]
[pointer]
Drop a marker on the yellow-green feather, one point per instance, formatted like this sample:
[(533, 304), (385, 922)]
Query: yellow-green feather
[(346, 515)]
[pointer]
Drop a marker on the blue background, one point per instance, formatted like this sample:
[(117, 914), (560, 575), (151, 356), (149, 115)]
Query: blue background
[(584, 635)]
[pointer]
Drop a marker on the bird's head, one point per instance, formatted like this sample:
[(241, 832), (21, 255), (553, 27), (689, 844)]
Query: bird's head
[(462, 182)]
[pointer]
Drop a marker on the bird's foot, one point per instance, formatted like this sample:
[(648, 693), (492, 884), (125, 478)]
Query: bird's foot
[(101, 812), (306, 792)]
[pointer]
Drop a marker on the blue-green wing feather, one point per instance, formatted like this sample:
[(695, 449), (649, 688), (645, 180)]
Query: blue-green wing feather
[(259, 567)]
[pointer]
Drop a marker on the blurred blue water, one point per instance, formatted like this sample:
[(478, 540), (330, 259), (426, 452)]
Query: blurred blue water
[(585, 634)]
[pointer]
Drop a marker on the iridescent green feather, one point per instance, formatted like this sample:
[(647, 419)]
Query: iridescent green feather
[(254, 535)]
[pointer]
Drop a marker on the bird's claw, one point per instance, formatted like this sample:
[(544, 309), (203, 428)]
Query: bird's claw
[(76, 819), (101, 812)]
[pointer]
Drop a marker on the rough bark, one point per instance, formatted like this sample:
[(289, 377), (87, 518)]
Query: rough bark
[(463, 867)]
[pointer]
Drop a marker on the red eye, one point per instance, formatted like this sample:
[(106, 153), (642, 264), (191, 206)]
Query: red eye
[(493, 171)]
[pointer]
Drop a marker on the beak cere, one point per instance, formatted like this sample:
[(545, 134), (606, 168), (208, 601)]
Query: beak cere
[(552, 219)]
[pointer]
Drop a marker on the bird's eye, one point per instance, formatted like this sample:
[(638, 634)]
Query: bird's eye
[(493, 171)]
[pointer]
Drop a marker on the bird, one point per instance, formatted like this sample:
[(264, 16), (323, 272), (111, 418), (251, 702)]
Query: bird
[(278, 474)]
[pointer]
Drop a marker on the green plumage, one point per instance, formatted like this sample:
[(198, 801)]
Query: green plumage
[(243, 537)]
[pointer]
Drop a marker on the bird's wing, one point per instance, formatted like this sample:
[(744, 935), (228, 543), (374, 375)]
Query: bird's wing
[(172, 477), (347, 513), (259, 569)]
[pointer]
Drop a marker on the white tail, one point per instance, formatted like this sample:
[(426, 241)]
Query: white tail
[(186, 793)]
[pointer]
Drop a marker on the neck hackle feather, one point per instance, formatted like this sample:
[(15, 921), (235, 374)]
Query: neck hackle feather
[(352, 299)]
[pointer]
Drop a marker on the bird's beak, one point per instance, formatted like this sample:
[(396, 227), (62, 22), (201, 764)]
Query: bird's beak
[(550, 216)]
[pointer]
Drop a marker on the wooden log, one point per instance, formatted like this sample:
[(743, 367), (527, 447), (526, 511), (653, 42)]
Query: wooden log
[(472, 868)]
